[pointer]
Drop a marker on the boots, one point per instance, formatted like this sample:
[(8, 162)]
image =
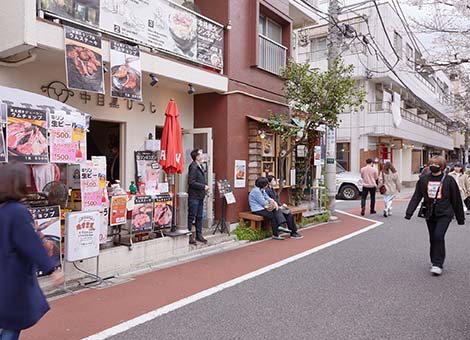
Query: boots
[(191, 239)]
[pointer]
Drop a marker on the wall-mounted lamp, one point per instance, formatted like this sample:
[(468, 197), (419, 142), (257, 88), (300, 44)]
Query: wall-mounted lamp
[(228, 27), (191, 89), (105, 68), (153, 79), (261, 134)]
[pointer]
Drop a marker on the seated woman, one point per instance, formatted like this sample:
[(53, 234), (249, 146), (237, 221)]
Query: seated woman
[(282, 208), (262, 205)]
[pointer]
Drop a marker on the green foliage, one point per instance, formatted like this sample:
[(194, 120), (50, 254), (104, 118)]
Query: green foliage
[(244, 232), (325, 217)]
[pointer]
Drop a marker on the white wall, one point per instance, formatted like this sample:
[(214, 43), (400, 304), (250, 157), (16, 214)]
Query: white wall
[(138, 124)]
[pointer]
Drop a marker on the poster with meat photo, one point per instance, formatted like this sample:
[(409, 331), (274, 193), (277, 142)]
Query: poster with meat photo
[(47, 226), (148, 171), (3, 152), (27, 135), (83, 60), (142, 214), (67, 137), (126, 71), (162, 211)]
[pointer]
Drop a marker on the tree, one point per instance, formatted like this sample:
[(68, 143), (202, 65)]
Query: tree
[(315, 98)]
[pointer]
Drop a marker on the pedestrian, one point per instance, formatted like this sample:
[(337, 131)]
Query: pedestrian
[(442, 201), (282, 208), (467, 193), (197, 189), (369, 175), (22, 255), (460, 178), (392, 185), (262, 205)]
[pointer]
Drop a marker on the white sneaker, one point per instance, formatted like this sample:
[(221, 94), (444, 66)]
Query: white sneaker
[(436, 270)]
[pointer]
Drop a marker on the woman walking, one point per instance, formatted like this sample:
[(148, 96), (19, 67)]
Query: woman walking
[(459, 176), (442, 201), (389, 179), (22, 254)]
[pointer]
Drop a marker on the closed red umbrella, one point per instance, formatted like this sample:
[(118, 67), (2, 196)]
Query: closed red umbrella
[(171, 155)]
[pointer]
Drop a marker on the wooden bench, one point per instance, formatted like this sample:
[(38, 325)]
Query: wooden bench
[(256, 221)]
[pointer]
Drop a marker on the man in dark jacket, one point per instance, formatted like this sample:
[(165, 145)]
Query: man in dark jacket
[(197, 188)]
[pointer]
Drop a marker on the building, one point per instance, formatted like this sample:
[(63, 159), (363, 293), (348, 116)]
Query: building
[(408, 104)]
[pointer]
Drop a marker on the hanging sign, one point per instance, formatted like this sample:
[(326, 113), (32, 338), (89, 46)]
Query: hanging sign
[(82, 235), (126, 71), (118, 210), (47, 225), (142, 214), (83, 60), (27, 135), (210, 43)]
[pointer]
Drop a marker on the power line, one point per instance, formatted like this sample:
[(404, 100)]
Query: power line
[(385, 29)]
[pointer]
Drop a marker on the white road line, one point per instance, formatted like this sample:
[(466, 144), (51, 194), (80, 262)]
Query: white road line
[(208, 292)]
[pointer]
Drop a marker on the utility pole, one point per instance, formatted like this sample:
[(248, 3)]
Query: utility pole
[(333, 41)]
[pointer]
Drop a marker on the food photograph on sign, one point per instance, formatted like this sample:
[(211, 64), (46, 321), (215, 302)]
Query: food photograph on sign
[(47, 226), (183, 31), (126, 72), (27, 135), (82, 11), (84, 62), (142, 214), (163, 211)]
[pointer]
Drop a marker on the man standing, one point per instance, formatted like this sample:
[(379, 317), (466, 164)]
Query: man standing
[(369, 176), (197, 188)]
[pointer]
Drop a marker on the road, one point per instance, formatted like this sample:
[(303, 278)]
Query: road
[(375, 285)]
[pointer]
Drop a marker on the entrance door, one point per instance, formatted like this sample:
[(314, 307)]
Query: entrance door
[(200, 139)]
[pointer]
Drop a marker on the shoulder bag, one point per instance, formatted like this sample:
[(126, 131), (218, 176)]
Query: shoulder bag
[(424, 211), (383, 188)]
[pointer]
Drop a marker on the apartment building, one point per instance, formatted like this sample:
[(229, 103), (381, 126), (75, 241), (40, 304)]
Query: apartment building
[(408, 104)]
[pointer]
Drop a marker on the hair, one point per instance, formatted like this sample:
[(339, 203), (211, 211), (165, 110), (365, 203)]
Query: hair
[(460, 166), (270, 178), (369, 161), (261, 182), (194, 153), (389, 167), (439, 160), (13, 181)]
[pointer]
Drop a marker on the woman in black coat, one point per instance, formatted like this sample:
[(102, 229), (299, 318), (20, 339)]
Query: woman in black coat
[(22, 254), (442, 201)]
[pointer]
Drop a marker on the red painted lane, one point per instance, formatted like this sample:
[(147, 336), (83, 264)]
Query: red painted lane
[(92, 311)]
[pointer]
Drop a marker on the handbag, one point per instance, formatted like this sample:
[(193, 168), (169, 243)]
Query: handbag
[(383, 188), (423, 211)]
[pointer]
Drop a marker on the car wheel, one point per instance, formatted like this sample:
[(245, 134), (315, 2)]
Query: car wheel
[(349, 192)]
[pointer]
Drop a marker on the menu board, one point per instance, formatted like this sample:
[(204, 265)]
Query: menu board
[(142, 214), (82, 235), (148, 171), (118, 210), (163, 211), (90, 188), (67, 137), (210, 43), (83, 60), (27, 135), (126, 71), (47, 226)]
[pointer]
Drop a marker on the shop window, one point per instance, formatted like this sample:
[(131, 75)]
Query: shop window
[(342, 155), (272, 149), (104, 139)]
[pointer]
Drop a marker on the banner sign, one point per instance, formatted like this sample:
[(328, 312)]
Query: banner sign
[(142, 214), (67, 137), (89, 187), (163, 211), (82, 235), (3, 150), (27, 135), (126, 71), (158, 24), (147, 171), (118, 210), (47, 226), (240, 174), (83, 60)]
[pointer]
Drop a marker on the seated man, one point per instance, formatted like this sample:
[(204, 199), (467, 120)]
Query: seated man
[(262, 205), (282, 208)]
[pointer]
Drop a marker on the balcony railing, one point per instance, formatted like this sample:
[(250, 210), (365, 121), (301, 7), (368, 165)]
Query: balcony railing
[(426, 82), (423, 122), (272, 55), (380, 107)]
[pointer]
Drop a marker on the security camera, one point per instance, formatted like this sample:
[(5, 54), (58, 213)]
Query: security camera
[(191, 89)]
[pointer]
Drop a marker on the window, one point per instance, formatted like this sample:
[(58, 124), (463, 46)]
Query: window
[(272, 54), (270, 29), (409, 55), (342, 155), (318, 49), (398, 43)]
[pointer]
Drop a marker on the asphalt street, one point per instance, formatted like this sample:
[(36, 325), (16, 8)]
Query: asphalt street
[(376, 285)]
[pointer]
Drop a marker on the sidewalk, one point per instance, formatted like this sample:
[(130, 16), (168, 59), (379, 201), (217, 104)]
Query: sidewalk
[(94, 310)]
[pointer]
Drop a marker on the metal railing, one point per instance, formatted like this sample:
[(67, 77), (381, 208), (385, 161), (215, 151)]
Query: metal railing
[(318, 199), (272, 55), (426, 82), (423, 122), (380, 107)]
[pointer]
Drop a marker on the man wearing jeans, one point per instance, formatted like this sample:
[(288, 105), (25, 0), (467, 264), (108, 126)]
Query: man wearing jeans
[(369, 176), (197, 188)]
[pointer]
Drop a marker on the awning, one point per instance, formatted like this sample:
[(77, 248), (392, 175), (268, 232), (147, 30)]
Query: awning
[(265, 120)]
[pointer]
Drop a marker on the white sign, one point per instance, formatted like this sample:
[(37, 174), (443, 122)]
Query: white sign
[(82, 235), (230, 198), (240, 174)]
